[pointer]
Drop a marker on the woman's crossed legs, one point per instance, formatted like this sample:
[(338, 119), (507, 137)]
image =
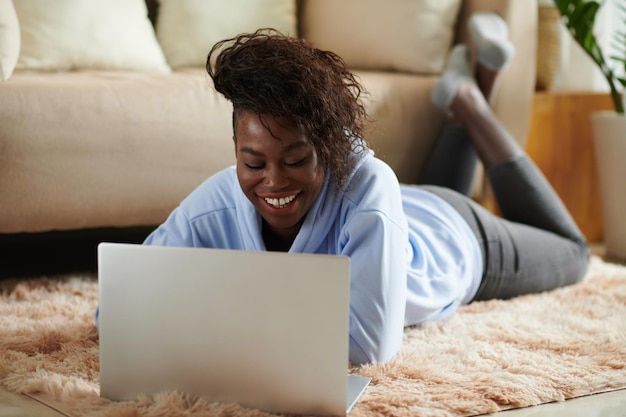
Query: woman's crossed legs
[(537, 246)]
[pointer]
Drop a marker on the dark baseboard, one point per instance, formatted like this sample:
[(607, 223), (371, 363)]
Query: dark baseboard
[(59, 252)]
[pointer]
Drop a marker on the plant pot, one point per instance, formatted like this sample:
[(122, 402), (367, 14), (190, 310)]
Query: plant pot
[(609, 138)]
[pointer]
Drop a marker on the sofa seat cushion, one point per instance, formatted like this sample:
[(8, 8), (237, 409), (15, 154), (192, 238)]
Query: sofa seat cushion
[(98, 149), (92, 149), (405, 125)]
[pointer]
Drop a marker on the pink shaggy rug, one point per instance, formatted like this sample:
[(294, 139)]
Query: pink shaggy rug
[(492, 356)]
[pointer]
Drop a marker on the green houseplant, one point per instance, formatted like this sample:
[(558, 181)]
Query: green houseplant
[(579, 17), (608, 127)]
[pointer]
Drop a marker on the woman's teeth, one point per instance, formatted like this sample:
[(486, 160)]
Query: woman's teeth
[(280, 202)]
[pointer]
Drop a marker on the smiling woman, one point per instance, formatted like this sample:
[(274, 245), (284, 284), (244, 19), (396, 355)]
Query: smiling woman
[(305, 181)]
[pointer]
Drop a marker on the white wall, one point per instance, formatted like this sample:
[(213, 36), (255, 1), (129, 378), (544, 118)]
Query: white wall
[(577, 71)]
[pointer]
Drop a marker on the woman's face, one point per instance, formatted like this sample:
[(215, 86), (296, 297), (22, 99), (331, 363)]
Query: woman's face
[(278, 170)]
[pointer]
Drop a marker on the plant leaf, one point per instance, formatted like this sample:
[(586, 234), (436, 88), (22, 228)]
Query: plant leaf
[(579, 18)]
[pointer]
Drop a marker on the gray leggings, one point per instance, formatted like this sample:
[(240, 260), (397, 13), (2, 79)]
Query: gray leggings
[(536, 247)]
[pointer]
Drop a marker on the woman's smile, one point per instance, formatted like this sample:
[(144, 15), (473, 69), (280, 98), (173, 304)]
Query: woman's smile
[(280, 202)]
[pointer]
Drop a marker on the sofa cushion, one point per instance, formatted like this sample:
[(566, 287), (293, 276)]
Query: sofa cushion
[(405, 123), (9, 39), (411, 36), (187, 29), (64, 35), (103, 148)]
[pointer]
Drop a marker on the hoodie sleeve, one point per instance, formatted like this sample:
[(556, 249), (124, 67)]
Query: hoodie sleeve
[(375, 237), (175, 231)]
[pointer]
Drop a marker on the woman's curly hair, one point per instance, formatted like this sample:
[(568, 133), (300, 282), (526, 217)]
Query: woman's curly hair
[(267, 72)]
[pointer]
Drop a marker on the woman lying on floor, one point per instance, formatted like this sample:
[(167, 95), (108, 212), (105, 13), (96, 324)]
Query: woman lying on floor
[(305, 181)]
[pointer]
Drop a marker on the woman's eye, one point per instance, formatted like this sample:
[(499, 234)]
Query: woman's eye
[(255, 167), (295, 164)]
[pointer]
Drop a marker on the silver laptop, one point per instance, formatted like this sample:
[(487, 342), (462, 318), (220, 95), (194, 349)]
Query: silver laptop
[(267, 330)]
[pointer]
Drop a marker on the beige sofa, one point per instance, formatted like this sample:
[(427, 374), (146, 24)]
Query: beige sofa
[(86, 147)]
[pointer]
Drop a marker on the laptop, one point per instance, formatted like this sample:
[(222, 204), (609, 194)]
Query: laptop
[(267, 330)]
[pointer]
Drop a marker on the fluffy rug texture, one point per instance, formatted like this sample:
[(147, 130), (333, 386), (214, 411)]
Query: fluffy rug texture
[(491, 356)]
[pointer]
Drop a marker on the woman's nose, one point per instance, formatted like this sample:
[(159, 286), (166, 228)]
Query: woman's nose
[(275, 177)]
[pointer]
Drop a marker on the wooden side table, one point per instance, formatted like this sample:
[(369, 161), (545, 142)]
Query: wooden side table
[(560, 143)]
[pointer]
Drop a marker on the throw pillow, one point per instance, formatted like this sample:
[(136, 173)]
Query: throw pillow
[(188, 29), (9, 39), (64, 35), (410, 36)]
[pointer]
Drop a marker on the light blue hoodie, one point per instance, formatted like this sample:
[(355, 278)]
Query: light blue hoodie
[(412, 257)]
